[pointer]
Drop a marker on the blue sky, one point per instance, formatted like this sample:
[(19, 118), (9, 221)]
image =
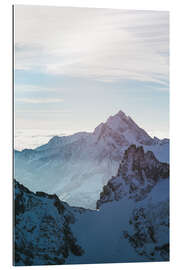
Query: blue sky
[(74, 67)]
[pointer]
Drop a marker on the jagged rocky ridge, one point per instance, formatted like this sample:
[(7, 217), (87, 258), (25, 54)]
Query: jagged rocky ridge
[(143, 179), (79, 165), (138, 173), (129, 226), (42, 233)]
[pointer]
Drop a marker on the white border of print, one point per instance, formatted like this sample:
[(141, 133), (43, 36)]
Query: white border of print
[(6, 125)]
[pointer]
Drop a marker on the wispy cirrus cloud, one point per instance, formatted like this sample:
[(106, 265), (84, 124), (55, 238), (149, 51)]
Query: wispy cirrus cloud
[(35, 88), (101, 44), (43, 111), (39, 100)]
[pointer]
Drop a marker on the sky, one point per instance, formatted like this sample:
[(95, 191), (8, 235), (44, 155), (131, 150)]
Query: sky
[(74, 67)]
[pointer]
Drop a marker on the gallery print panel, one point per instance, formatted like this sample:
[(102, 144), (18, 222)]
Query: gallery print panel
[(91, 136)]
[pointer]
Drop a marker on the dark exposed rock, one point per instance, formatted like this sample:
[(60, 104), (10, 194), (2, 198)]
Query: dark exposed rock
[(147, 231), (138, 173), (42, 233)]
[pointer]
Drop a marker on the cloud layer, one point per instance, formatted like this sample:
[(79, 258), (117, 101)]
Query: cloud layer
[(101, 44), (39, 100)]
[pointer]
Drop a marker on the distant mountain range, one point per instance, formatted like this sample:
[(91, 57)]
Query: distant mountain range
[(77, 167)]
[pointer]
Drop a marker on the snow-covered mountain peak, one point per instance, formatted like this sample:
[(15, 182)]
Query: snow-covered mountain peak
[(122, 130), (138, 173), (79, 165), (118, 116)]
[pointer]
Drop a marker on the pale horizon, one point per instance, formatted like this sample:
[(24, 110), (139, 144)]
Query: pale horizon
[(74, 67), (32, 138)]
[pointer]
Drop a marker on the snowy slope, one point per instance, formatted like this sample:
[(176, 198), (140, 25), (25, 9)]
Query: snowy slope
[(131, 225), (114, 234), (79, 165), (42, 233)]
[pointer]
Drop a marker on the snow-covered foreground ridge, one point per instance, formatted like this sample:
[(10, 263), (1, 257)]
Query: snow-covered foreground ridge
[(76, 167), (131, 225), (42, 233)]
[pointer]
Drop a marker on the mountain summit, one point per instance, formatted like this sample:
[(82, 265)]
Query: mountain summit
[(76, 167), (122, 130)]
